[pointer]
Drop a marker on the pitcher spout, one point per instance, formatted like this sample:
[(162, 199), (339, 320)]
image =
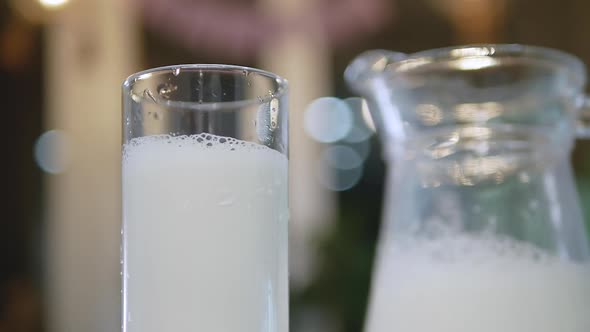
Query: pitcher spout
[(367, 66), (366, 75)]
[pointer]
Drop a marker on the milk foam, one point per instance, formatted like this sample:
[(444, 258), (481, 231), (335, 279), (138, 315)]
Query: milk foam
[(477, 283), (201, 142)]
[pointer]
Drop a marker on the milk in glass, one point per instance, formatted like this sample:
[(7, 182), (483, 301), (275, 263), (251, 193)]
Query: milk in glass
[(205, 235)]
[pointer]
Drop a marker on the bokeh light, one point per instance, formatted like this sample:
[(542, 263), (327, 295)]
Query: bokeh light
[(340, 168), (363, 148), (362, 129), (340, 179), (328, 119), (53, 4), (52, 151), (341, 157)]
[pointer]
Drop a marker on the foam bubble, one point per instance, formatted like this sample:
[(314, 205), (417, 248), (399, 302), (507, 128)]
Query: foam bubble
[(476, 249), (203, 141), (477, 282)]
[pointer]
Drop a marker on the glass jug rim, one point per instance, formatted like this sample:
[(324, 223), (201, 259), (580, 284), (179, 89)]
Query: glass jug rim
[(374, 64), (280, 90), (574, 66)]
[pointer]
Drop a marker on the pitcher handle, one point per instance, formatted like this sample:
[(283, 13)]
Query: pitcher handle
[(583, 120)]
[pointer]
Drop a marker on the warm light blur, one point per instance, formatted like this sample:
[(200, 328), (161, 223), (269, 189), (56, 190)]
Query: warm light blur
[(53, 4)]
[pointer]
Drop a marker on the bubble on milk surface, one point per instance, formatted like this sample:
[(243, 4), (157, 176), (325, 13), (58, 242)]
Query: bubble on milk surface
[(452, 246), (203, 140)]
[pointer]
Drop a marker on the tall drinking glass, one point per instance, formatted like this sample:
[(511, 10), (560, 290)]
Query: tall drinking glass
[(205, 200)]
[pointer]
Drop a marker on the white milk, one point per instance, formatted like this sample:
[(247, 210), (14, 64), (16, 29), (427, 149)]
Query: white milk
[(205, 235), (477, 284)]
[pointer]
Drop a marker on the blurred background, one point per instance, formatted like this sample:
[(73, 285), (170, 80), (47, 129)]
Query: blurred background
[(61, 66)]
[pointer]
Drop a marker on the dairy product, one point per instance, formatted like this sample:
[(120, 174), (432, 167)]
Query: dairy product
[(205, 235)]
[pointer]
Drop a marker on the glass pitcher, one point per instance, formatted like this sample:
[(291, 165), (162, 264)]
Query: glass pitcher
[(482, 229)]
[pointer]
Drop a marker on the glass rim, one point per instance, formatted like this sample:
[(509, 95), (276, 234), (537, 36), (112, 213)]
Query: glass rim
[(573, 64), (281, 90)]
